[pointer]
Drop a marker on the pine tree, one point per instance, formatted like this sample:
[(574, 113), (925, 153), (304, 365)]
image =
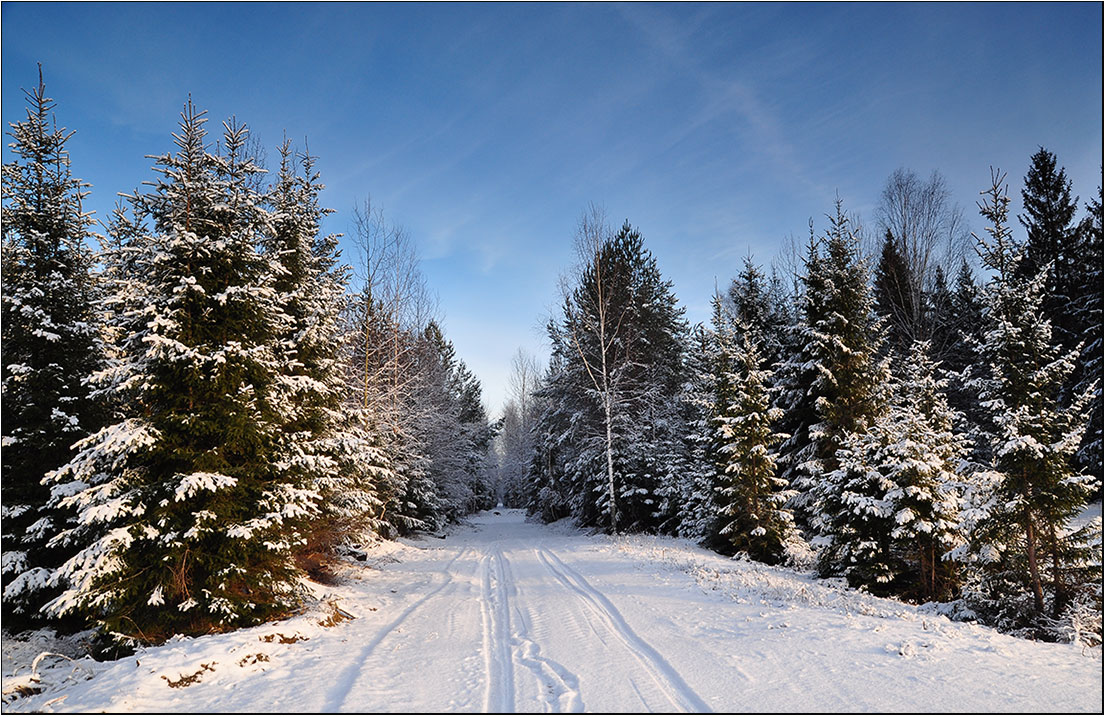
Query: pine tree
[(751, 493), (50, 343), (186, 519), (1030, 564)]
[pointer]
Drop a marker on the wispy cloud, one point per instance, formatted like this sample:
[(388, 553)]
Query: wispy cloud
[(726, 94)]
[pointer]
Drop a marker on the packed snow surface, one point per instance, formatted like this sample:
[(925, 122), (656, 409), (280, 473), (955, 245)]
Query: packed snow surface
[(506, 615)]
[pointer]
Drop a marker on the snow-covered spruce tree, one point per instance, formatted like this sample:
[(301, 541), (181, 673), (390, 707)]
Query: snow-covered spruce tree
[(958, 332), (760, 302), (834, 382), (1072, 296), (186, 519), (894, 503), (925, 459), (323, 444), (50, 344), (1088, 320), (751, 494), (1030, 565)]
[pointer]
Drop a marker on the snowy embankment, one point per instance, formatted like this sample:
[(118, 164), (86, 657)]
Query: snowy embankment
[(506, 615)]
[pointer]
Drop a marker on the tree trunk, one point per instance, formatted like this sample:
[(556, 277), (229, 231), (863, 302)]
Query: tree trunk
[(1059, 589), (610, 466), (1034, 571)]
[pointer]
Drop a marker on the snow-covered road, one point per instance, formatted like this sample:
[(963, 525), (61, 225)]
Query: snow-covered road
[(510, 616)]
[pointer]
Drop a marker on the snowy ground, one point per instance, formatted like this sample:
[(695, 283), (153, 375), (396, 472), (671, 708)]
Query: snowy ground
[(506, 616)]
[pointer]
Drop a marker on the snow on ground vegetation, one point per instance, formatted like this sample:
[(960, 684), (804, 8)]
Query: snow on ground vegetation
[(507, 615)]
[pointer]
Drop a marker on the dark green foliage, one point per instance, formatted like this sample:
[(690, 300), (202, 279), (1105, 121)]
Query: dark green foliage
[(50, 344), (894, 295), (1052, 243), (1020, 536), (1088, 323), (188, 523), (750, 495)]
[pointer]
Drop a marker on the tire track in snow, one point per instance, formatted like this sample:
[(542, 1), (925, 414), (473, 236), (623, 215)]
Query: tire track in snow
[(563, 686), (666, 677), (499, 668), (345, 682)]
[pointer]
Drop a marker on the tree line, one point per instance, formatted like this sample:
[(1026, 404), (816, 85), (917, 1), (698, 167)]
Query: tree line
[(866, 407), (201, 411)]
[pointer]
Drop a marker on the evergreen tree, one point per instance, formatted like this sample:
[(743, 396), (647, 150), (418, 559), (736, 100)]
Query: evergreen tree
[(323, 443), (833, 383), (696, 509), (1031, 566), (893, 505), (751, 493), (895, 295), (1088, 323), (50, 342), (962, 336), (1052, 245), (186, 520)]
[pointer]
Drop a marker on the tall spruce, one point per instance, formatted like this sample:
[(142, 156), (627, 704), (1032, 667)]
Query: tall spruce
[(1052, 244), (1031, 565), (1088, 320), (833, 383), (50, 342), (186, 521), (326, 442), (751, 494)]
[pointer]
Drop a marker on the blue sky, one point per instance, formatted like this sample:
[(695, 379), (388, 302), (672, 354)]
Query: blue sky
[(717, 129)]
